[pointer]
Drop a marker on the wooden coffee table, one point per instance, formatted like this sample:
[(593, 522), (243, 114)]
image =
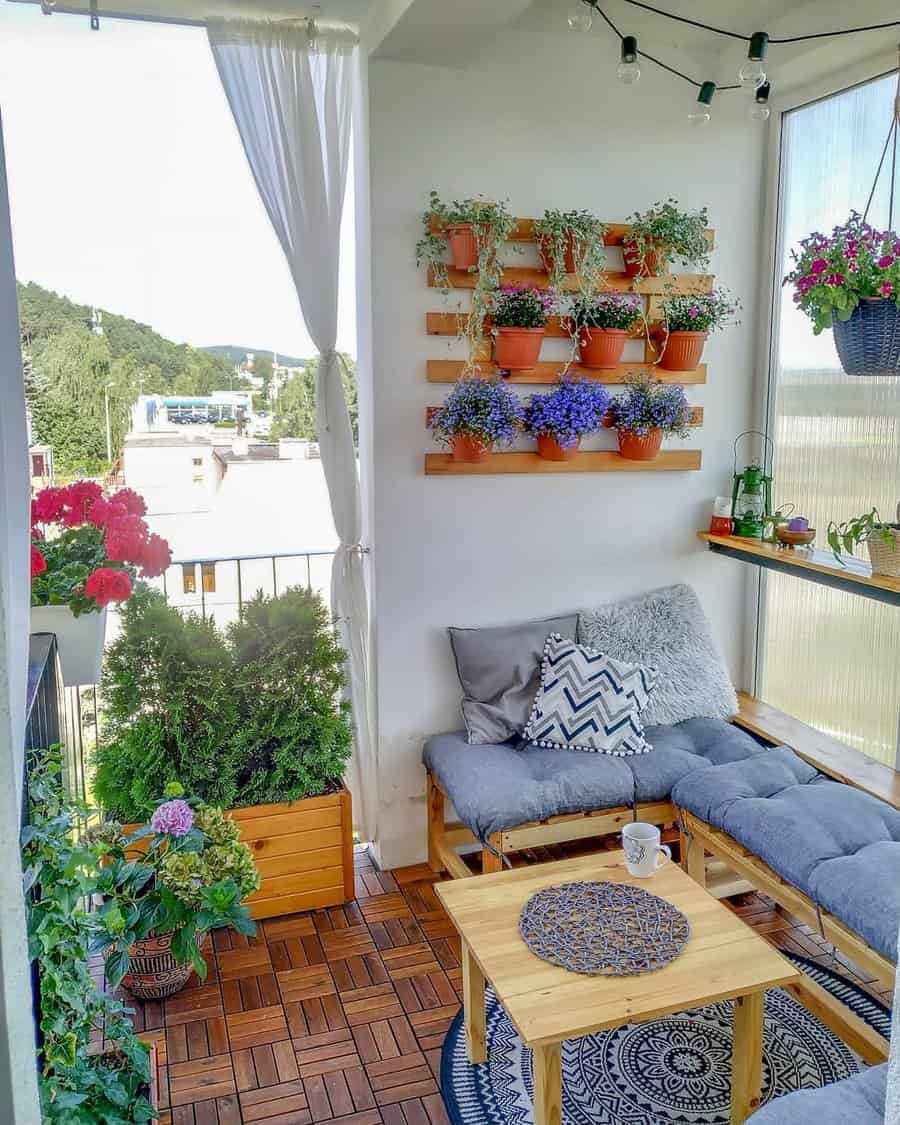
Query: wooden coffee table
[(723, 960)]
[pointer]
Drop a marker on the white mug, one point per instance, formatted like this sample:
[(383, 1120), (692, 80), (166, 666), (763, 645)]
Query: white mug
[(643, 850)]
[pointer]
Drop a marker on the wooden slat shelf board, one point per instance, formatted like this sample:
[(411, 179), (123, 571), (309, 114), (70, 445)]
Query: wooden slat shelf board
[(695, 420), (615, 281), (615, 232), (815, 566), (595, 461), (449, 370), (453, 324)]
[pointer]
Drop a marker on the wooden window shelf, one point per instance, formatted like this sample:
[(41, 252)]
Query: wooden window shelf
[(449, 370), (595, 461), (815, 566)]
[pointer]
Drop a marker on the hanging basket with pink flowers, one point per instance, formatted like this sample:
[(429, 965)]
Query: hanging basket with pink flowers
[(87, 550)]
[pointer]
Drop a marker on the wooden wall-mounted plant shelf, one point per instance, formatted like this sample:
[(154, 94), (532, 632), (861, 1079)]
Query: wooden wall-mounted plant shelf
[(615, 281), (449, 370), (696, 418), (523, 231), (596, 461)]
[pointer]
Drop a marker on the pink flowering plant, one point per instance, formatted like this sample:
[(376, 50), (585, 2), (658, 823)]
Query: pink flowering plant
[(87, 549), (833, 273), (605, 310), (521, 306), (700, 312), (568, 413), (184, 874)]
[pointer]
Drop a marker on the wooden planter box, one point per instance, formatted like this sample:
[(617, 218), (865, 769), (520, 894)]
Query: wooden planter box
[(303, 850)]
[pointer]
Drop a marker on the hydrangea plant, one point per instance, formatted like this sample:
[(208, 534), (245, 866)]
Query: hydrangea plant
[(651, 405), (606, 310), (700, 312), (484, 409), (833, 273), (572, 410), (521, 306)]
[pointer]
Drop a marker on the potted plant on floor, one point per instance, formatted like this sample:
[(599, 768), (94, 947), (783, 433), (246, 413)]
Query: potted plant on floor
[(478, 414), (882, 540), (250, 721), (600, 325), (688, 320), (850, 282), (560, 419), (165, 886), (662, 233), (571, 242), (519, 319), (80, 1080), (644, 414), (86, 550)]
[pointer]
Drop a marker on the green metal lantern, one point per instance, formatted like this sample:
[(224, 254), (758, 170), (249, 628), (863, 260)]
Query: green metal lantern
[(751, 491)]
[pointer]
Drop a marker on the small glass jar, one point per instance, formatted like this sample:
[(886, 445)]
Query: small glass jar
[(721, 522)]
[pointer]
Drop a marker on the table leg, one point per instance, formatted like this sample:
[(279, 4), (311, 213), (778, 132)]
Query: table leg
[(548, 1085), (473, 1007), (746, 1062)]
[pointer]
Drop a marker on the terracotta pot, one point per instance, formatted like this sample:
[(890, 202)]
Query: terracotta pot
[(545, 245), (648, 266), (464, 447), (550, 449), (517, 349), (601, 348), (154, 973), (637, 448), (463, 245), (684, 350)]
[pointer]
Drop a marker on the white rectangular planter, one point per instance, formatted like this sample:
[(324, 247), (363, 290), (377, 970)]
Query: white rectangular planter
[(79, 640)]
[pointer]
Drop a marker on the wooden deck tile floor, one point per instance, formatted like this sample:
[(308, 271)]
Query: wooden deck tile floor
[(339, 1015)]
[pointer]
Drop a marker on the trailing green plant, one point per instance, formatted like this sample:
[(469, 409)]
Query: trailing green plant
[(492, 224), (860, 529), (583, 234), (62, 872), (669, 233), (248, 717)]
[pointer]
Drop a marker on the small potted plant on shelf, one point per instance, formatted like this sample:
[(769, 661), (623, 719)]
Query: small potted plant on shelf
[(478, 414), (86, 551), (645, 413), (850, 281), (519, 319), (600, 325), (662, 233), (560, 419), (571, 242), (688, 320), (166, 885), (882, 540)]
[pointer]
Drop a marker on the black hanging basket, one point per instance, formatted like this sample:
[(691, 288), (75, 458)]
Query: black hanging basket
[(869, 342)]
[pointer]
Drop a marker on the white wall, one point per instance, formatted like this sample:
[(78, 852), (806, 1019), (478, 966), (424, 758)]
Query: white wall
[(544, 124)]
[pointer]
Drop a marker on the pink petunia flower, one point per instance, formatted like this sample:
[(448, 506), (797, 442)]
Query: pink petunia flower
[(887, 289), (819, 265), (885, 261)]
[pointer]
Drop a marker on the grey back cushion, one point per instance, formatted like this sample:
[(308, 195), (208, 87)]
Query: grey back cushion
[(500, 670), (667, 630)]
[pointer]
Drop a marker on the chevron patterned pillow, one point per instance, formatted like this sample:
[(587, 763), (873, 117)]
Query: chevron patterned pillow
[(589, 701)]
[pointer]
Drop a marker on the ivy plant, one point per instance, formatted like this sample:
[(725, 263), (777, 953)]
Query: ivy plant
[(669, 233), (585, 234)]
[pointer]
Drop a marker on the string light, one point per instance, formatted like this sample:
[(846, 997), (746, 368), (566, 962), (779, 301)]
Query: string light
[(580, 17), (759, 110), (701, 114), (752, 73), (629, 69)]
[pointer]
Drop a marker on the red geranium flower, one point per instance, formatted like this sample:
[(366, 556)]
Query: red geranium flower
[(78, 498), (107, 584), (156, 557), (126, 537), (38, 562), (128, 499), (47, 506)]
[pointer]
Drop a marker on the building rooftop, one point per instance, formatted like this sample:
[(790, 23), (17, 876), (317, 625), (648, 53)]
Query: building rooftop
[(256, 451)]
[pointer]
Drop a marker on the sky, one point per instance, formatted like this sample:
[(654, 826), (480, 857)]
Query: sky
[(129, 188)]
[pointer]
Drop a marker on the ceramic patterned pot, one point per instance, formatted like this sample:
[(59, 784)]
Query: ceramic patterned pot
[(154, 973)]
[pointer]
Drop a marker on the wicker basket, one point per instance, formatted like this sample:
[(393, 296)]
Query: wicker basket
[(869, 342), (884, 559)]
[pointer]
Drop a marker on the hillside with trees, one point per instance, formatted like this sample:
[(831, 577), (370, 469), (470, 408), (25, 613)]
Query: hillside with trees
[(295, 410)]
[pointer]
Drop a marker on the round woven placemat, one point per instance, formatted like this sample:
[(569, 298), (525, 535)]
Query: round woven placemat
[(603, 929)]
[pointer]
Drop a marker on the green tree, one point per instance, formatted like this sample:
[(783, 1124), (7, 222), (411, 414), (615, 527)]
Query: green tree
[(295, 410)]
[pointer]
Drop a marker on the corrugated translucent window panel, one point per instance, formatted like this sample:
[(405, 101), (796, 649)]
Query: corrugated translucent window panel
[(830, 658)]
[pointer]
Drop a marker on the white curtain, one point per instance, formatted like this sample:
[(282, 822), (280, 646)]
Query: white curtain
[(290, 90)]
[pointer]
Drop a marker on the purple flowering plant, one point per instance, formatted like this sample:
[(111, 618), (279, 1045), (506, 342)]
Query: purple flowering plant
[(648, 404), (606, 310), (521, 306), (183, 874), (833, 273), (570, 411), (484, 409), (700, 312)]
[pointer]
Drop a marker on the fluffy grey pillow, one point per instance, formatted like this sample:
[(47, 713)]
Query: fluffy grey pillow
[(500, 671), (667, 630)]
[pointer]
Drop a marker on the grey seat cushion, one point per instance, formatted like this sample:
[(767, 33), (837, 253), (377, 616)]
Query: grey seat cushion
[(838, 845), (854, 1101), (500, 786)]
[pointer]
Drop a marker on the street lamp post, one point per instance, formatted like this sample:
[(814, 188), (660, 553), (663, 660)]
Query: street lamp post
[(108, 430)]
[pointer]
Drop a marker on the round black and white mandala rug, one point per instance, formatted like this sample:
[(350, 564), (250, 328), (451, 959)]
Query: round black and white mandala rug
[(672, 1071)]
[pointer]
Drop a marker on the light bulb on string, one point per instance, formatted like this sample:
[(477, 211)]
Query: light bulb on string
[(753, 72), (700, 115), (759, 110), (629, 69), (580, 17)]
